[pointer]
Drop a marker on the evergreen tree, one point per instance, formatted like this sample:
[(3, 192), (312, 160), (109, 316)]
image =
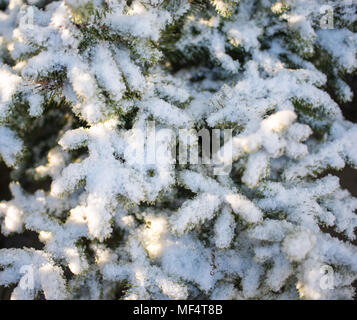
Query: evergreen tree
[(83, 84)]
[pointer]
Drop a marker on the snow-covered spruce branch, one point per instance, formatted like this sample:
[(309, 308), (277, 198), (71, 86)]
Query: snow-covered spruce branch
[(84, 84)]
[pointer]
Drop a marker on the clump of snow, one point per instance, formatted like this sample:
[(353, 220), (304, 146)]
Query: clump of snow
[(298, 245), (10, 146)]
